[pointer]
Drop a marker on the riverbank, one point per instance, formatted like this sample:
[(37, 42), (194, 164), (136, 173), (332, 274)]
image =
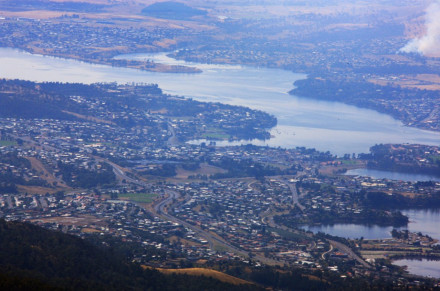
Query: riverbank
[(109, 60), (414, 107), (302, 122)]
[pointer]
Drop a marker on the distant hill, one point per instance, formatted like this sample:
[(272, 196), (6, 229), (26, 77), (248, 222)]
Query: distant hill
[(172, 10), (33, 258)]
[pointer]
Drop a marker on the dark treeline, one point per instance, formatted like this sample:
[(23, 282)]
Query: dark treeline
[(321, 216), (33, 257), (246, 168), (84, 178), (362, 93), (397, 201), (404, 159), (127, 106)]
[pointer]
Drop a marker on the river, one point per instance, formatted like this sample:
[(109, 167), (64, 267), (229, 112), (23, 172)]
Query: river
[(326, 126), (425, 221), (378, 174), (421, 267)]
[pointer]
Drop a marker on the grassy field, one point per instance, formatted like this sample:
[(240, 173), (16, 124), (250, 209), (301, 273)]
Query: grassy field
[(6, 143), (138, 197), (207, 273), (215, 133), (349, 162), (288, 234)]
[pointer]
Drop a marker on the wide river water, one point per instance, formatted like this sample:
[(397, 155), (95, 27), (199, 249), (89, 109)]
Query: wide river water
[(326, 126), (421, 267), (425, 221), (378, 174)]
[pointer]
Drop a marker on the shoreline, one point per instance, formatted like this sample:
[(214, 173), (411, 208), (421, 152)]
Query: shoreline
[(179, 69), (137, 65)]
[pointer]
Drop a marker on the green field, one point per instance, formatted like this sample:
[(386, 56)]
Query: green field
[(138, 197), (215, 133), (348, 162), (6, 143), (288, 234)]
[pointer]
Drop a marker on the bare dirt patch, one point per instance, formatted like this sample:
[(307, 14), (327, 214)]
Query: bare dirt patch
[(207, 273), (44, 173), (205, 169), (37, 190), (89, 118), (420, 81), (71, 220)]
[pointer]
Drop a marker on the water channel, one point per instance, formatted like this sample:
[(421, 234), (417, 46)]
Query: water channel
[(378, 174), (326, 126), (421, 267)]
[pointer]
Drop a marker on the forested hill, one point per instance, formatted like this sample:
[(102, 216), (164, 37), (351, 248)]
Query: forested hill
[(33, 258)]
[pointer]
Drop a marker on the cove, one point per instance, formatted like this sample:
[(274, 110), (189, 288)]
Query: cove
[(302, 122), (421, 267), (378, 174), (420, 220)]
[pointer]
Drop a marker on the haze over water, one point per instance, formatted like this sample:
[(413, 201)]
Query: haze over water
[(325, 126)]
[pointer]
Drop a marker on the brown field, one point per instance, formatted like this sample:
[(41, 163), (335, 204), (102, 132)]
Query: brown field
[(44, 174), (90, 230), (70, 220), (205, 169), (207, 273), (183, 241), (37, 190), (89, 118), (420, 81), (103, 2), (332, 170)]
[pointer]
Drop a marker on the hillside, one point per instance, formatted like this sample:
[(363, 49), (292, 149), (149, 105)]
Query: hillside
[(31, 256), (172, 10)]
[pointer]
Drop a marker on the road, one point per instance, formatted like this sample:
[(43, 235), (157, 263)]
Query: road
[(294, 191), (434, 113), (172, 140), (116, 168), (334, 244), (295, 195), (344, 248), (121, 174), (160, 210), (327, 252)]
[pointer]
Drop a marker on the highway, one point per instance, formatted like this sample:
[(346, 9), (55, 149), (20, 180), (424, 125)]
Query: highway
[(294, 191), (344, 248), (159, 208), (334, 244), (172, 140)]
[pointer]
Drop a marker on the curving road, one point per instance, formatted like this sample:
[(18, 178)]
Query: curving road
[(344, 248), (159, 208)]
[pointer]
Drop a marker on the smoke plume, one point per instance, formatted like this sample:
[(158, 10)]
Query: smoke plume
[(428, 44)]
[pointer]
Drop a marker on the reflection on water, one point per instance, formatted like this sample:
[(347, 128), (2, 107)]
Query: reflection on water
[(425, 221), (421, 267), (377, 174), (353, 230), (325, 126)]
